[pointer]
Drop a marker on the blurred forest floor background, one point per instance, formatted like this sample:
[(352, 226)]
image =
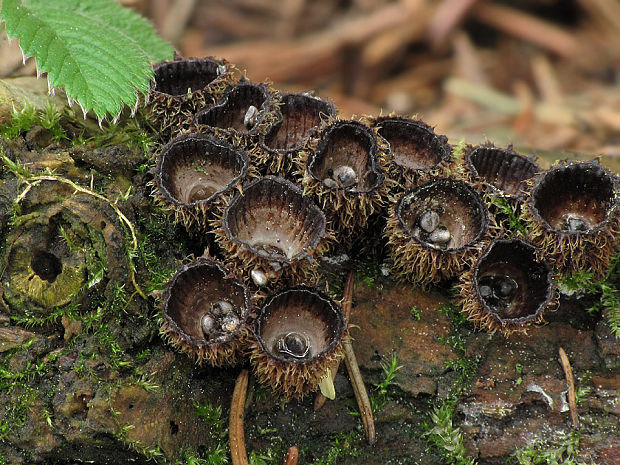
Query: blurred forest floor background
[(543, 75)]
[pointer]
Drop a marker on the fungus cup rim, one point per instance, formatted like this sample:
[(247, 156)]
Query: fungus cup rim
[(374, 155), (223, 101), (213, 142), (247, 303), (612, 214), (280, 118), (550, 281), (446, 148), (185, 96), (336, 336), (510, 151), (309, 205), (411, 192)]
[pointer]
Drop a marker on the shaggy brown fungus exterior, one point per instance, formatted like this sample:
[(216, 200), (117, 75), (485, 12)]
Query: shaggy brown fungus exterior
[(245, 111), (503, 171), (195, 173), (343, 169), (508, 288), (573, 214), (435, 230), (182, 87), (205, 313), (272, 230), (298, 334)]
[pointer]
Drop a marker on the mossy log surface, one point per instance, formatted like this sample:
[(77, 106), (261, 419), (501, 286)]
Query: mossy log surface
[(88, 378)]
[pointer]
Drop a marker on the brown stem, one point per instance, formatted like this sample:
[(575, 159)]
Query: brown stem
[(360, 392), (292, 456), (236, 434), (572, 401), (347, 305)]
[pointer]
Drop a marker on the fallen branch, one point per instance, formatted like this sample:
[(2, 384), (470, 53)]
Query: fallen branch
[(360, 392), (236, 434), (572, 401)]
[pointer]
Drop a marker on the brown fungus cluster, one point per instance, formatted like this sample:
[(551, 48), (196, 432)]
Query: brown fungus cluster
[(183, 86), (280, 181)]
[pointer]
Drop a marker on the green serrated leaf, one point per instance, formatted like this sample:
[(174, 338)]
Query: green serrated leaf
[(100, 51)]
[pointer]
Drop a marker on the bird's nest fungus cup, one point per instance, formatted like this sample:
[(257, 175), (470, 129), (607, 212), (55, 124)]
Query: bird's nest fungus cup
[(435, 230), (573, 214), (271, 231), (503, 171), (343, 168), (417, 152), (298, 335), (508, 288), (182, 87), (195, 173), (62, 245), (301, 114), (205, 313), (245, 111)]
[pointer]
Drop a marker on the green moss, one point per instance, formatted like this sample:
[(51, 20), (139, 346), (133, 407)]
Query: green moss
[(441, 432), (213, 418), (379, 398), (22, 120), (561, 449), (508, 216), (16, 412), (606, 291), (341, 446), (446, 437)]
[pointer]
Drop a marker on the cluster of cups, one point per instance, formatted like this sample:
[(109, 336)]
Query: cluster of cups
[(278, 181)]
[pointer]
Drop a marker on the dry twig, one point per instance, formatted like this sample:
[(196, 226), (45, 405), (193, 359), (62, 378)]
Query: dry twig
[(236, 433), (353, 368), (360, 392), (572, 401)]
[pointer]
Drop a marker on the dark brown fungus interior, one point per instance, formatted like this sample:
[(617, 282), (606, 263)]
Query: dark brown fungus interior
[(202, 289), (274, 221), (347, 144), (300, 113), (299, 324), (196, 167), (46, 265), (502, 168), (230, 112), (458, 207), (177, 77), (46, 260), (415, 145), (576, 194), (510, 283)]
